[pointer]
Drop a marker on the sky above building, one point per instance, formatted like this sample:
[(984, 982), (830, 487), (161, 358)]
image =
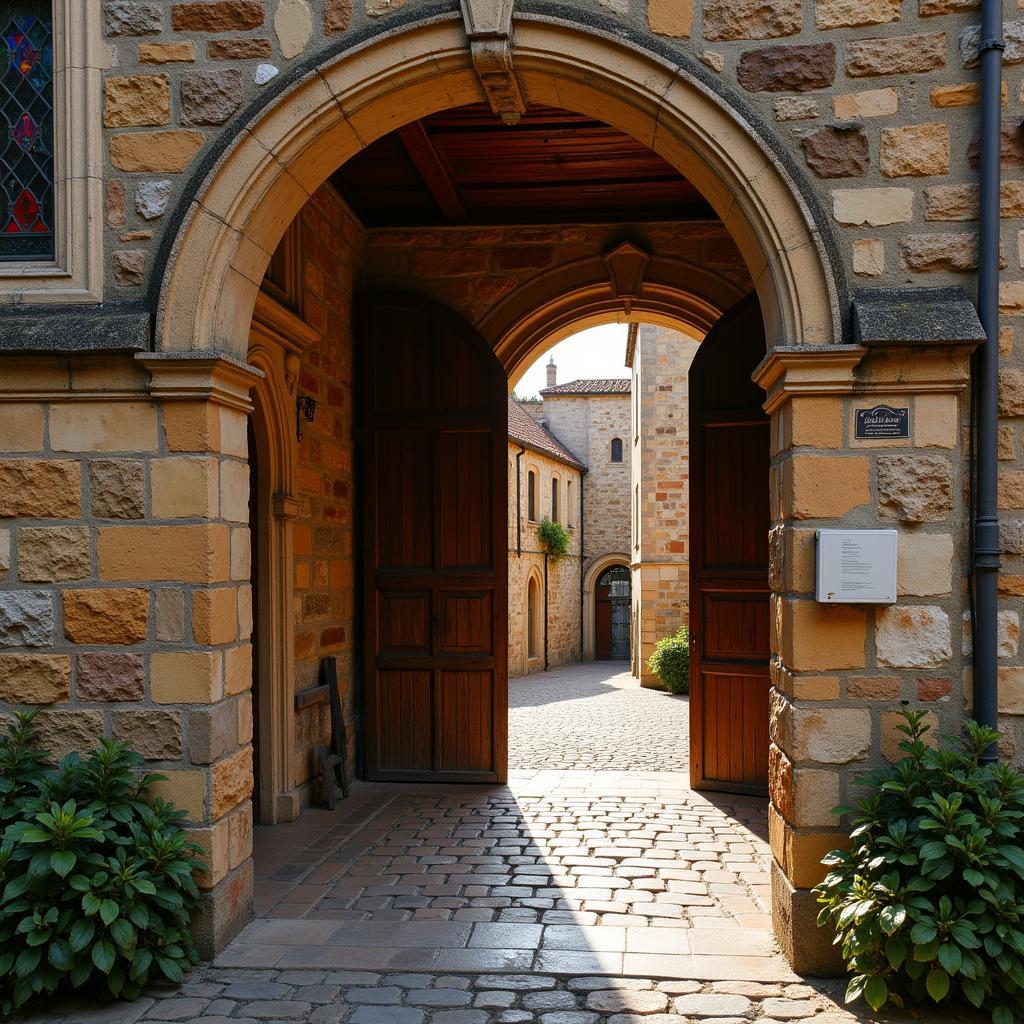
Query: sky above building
[(597, 352)]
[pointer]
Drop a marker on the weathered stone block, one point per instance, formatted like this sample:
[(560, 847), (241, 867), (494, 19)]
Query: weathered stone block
[(929, 8), (915, 150), (896, 55), (890, 737), (795, 108), (960, 202), (129, 267), (835, 153), (815, 794), (1011, 145), (5, 551), (874, 207), (868, 256), (184, 488), (110, 676), (293, 26), (152, 197), (868, 103), (115, 489), (131, 18), (751, 19), (816, 637), (788, 68), (61, 732), (21, 427), (854, 13), (193, 553), (217, 16), (167, 53), (107, 616), (53, 553), (240, 836), (35, 678), (134, 101), (825, 486), (924, 564), (50, 488), (184, 788), (912, 637), (238, 669), (234, 491), (914, 488), (169, 616), (238, 49), (830, 736), (103, 427), (186, 677), (231, 782), (215, 616), (212, 733), (948, 252), (338, 16), (26, 618), (156, 735), (1013, 37), (873, 688), (1007, 634), (163, 151), (670, 17), (210, 97)]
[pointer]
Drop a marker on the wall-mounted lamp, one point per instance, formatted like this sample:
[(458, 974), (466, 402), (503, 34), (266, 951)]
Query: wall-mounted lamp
[(305, 411)]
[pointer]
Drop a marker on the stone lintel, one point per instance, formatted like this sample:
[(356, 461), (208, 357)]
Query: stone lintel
[(916, 316), (220, 379), (62, 333), (807, 370)]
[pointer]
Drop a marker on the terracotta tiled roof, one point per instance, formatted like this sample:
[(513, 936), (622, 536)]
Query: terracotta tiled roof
[(607, 386), (522, 427)]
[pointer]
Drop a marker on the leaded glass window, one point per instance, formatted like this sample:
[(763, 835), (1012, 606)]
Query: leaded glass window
[(26, 121)]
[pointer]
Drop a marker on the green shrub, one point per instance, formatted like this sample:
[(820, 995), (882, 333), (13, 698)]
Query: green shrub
[(96, 885), (670, 661), (929, 902), (554, 539)]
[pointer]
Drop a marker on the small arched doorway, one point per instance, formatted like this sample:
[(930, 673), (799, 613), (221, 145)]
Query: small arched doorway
[(612, 606)]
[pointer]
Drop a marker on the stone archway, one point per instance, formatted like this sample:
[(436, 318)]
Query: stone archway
[(251, 193), (593, 574)]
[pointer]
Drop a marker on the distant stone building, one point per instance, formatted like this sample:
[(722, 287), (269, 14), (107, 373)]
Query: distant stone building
[(544, 482), (660, 558)]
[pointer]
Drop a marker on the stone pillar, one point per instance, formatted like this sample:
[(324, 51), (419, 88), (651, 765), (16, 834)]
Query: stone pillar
[(125, 581), (841, 673)]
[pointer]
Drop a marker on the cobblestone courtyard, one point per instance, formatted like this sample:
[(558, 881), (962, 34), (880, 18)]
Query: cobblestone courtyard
[(595, 716), (584, 892)]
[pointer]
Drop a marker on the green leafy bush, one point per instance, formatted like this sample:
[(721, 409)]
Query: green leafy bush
[(670, 661), (929, 902), (96, 884), (554, 538)]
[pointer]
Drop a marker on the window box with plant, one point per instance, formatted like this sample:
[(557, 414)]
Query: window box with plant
[(97, 882), (928, 904)]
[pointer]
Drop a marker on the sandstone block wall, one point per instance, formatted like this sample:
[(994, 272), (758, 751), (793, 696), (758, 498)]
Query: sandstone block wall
[(660, 475), (526, 561)]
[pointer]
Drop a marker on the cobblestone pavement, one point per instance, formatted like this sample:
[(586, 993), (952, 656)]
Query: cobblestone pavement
[(595, 716)]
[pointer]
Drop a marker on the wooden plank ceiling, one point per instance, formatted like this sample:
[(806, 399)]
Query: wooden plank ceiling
[(465, 166)]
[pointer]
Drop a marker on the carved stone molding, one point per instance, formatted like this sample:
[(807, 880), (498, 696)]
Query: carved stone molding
[(489, 31)]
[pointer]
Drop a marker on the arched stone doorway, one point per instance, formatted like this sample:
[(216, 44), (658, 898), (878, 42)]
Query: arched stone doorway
[(612, 615)]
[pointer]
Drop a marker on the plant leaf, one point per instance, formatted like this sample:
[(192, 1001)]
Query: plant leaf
[(937, 984), (109, 911), (62, 861), (103, 955), (876, 992), (81, 934)]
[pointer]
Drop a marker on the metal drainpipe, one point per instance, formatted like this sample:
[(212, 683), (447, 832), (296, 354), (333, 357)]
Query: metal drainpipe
[(545, 611), (986, 527), (519, 501), (582, 528)]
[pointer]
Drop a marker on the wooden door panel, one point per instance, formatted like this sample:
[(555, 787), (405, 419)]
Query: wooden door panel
[(464, 701), (466, 507), (433, 450), (603, 628), (466, 623), (729, 523)]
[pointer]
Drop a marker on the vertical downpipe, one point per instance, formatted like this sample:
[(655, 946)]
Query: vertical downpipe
[(545, 611), (519, 501), (986, 528)]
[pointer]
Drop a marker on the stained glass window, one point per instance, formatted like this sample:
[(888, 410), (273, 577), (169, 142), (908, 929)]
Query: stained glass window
[(26, 124)]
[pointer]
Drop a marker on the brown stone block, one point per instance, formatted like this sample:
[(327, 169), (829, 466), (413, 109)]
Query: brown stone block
[(915, 150), (156, 735), (238, 669), (169, 152), (890, 737), (954, 253), (214, 841), (136, 100), (815, 422), (818, 637), (823, 486), (103, 427), (809, 949), (837, 153), (169, 616), (751, 19), (914, 488), (337, 16), (866, 103), (167, 53), (35, 678), (115, 489), (215, 615), (854, 13), (800, 853), (186, 677), (110, 676), (239, 49), (896, 55), (934, 688), (210, 97), (212, 732), (184, 488), (873, 688), (107, 616), (63, 732), (21, 427), (670, 17), (43, 488), (191, 427), (231, 782), (1011, 145), (780, 781), (815, 688), (49, 554), (217, 16), (186, 554), (129, 270), (240, 836), (788, 68), (186, 789)]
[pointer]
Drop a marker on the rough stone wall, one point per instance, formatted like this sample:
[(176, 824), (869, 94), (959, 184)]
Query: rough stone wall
[(660, 474), (323, 541), (471, 269), (526, 558), (586, 425)]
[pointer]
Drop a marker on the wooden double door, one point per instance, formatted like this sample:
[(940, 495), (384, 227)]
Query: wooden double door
[(729, 591), (433, 433)]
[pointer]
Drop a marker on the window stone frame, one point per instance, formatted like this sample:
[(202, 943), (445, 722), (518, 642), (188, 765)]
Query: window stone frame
[(76, 274)]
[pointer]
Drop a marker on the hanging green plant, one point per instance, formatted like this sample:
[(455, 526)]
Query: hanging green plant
[(554, 539)]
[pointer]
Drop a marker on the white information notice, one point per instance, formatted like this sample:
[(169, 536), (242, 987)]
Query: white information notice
[(856, 566)]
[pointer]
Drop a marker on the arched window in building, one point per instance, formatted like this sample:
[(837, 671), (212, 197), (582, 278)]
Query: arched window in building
[(555, 484), (531, 496), (616, 449), (569, 517), (533, 623)]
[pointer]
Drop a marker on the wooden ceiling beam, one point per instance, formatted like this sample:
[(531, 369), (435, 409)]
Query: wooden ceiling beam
[(433, 169)]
